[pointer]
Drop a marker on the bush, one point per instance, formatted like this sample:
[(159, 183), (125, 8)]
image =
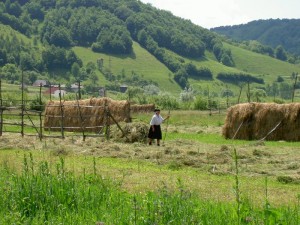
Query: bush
[(200, 103)]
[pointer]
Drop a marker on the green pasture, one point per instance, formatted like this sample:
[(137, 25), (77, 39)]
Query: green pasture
[(140, 61), (41, 187), (265, 67)]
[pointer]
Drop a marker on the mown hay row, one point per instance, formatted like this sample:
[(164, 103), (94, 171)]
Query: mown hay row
[(88, 115), (255, 121), (142, 108)]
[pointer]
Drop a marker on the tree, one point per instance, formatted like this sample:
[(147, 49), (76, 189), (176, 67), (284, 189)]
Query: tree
[(113, 40), (123, 12), (285, 90), (15, 9), (280, 53), (26, 61), (60, 37), (3, 57), (35, 10), (258, 94), (187, 95), (90, 67), (75, 70), (10, 72)]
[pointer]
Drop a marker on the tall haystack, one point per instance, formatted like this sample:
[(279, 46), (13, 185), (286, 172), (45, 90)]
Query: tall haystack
[(88, 115), (256, 121), (135, 108)]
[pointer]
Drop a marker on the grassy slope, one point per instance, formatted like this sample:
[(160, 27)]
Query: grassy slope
[(5, 29), (141, 62), (267, 67), (245, 61)]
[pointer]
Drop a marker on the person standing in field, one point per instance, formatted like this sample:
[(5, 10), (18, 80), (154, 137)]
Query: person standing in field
[(155, 129)]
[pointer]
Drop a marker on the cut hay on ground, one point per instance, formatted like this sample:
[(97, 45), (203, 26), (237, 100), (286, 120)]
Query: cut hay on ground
[(142, 108), (88, 115), (132, 132), (267, 121)]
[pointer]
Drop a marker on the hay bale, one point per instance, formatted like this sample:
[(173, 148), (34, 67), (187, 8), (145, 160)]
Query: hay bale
[(255, 121), (88, 114), (135, 108), (133, 132)]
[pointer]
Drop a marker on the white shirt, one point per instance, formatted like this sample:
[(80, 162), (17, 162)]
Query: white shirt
[(156, 120)]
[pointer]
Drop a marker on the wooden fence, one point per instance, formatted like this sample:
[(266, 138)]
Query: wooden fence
[(20, 118)]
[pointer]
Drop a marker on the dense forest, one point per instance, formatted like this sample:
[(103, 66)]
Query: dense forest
[(280, 34), (104, 26)]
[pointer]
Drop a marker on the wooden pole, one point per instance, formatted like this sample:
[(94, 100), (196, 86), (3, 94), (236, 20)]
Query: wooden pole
[(62, 114), (107, 128), (79, 89), (50, 85), (22, 105), (294, 87), (81, 118), (40, 114)]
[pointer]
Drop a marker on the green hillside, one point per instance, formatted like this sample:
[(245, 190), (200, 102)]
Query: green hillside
[(271, 32), (267, 67), (140, 61), (140, 46)]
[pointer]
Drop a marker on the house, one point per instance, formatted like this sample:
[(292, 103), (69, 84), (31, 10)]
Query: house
[(75, 87), (42, 83), (54, 91)]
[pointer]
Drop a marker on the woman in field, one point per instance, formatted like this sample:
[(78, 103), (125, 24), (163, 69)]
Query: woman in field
[(155, 129)]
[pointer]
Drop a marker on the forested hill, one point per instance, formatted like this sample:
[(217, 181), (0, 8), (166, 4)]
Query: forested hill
[(114, 42), (105, 26), (272, 32)]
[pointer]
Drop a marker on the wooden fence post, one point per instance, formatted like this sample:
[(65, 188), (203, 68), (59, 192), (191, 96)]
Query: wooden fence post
[(62, 114), (40, 114), (107, 127), (81, 118), (22, 105)]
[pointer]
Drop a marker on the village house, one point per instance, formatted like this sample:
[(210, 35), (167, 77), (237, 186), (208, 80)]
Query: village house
[(54, 91)]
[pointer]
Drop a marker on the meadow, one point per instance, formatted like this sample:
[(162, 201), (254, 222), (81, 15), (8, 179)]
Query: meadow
[(195, 177)]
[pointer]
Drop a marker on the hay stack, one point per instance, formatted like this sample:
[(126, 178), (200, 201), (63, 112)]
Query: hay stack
[(90, 115), (142, 108), (255, 121), (133, 132)]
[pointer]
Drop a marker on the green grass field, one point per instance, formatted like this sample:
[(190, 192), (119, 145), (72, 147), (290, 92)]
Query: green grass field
[(194, 177)]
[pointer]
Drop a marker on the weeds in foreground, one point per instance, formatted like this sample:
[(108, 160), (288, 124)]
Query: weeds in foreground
[(40, 196)]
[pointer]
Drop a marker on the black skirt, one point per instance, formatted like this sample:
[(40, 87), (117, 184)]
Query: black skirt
[(156, 134)]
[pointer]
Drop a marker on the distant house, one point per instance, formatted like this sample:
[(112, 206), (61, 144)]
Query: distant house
[(75, 87), (54, 91), (43, 83)]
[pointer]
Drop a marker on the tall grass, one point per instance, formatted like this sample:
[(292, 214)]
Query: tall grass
[(43, 195)]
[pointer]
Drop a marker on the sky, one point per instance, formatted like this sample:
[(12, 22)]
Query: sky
[(215, 13)]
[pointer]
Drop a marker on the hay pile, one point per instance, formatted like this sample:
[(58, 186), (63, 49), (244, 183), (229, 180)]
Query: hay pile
[(256, 121), (142, 108), (133, 132), (88, 115)]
